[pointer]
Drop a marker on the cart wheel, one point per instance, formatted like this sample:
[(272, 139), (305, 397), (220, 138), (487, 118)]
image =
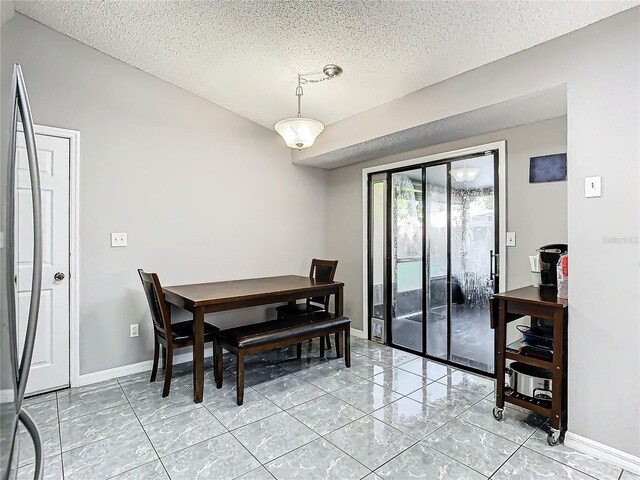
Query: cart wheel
[(553, 438), (498, 413)]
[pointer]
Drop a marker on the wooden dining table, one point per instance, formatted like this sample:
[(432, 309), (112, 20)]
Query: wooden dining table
[(203, 298)]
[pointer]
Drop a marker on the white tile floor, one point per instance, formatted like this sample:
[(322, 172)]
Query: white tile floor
[(392, 415)]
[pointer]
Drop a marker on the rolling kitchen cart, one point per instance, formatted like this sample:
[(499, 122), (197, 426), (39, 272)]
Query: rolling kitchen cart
[(512, 305)]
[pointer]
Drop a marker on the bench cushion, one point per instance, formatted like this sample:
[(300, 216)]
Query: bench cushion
[(278, 330)]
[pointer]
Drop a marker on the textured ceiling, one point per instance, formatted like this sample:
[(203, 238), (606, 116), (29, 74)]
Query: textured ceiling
[(244, 55)]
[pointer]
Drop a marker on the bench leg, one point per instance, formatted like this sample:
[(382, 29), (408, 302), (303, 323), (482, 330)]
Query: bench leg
[(299, 350), (322, 347), (217, 363), (339, 350), (347, 347), (328, 337), (240, 377)]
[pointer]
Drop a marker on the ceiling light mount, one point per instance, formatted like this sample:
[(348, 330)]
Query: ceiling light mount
[(300, 132)]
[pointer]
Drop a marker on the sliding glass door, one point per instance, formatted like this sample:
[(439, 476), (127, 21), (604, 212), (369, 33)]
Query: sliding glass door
[(436, 251)]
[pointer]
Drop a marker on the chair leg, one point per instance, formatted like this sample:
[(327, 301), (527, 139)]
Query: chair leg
[(328, 337), (347, 347), (167, 371), (154, 369), (338, 344), (299, 350), (163, 355), (240, 377), (322, 339), (217, 363)]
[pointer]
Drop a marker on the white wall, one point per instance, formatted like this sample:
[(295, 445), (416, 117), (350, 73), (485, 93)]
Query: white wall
[(600, 65), (203, 193), (536, 212)]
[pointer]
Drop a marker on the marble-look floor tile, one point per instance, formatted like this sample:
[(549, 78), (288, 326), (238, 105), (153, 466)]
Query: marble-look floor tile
[(175, 433), (413, 418), (325, 414), (423, 462), (526, 464), (136, 377), (329, 379), (476, 448), (568, 456), (274, 436), (87, 388), (52, 469), (400, 381), (372, 476), (77, 405), (212, 395), (627, 475), (366, 367), (141, 389), (366, 347), (427, 368), (469, 382), (318, 460), (370, 441), (445, 398), (96, 426), (153, 409), (44, 413), (263, 376), (149, 471), (43, 397), (392, 356), (367, 396), (108, 457), (259, 473), (515, 425), (295, 365), (50, 438), (220, 458), (291, 391), (232, 416)]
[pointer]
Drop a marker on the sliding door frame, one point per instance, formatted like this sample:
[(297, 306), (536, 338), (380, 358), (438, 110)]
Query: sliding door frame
[(499, 149)]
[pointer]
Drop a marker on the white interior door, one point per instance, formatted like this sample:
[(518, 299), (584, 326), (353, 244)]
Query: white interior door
[(50, 364)]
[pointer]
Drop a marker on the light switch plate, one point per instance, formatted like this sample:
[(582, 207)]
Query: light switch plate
[(511, 239), (118, 239), (592, 187)]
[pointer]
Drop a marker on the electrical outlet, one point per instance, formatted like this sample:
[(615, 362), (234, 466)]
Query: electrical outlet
[(133, 330), (511, 239), (118, 239)]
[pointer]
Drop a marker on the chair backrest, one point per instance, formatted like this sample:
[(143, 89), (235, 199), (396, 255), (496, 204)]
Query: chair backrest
[(324, 270), (160, 313)]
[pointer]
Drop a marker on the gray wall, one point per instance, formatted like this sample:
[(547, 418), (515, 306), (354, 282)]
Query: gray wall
[(203, 193), (536, 212), (600, 65)]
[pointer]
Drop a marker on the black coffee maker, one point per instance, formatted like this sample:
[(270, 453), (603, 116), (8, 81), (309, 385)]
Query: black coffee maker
[(549, 256)]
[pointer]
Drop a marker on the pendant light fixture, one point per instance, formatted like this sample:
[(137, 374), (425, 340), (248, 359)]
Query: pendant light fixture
[(300, 132), (464, 174)]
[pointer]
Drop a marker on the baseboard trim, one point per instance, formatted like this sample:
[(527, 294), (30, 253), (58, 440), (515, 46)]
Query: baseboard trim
[(110, 373), (604, 452), (358, 333)]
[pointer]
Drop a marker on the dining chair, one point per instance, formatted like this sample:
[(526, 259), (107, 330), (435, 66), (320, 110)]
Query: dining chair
[(169, 336), (323, 270)]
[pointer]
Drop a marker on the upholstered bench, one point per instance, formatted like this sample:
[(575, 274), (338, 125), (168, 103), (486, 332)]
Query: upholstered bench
[(265, 336)]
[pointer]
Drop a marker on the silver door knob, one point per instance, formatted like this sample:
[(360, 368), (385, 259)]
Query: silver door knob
[(58, 277)]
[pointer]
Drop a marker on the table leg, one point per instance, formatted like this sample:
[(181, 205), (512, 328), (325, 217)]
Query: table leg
[(339, 306), (198, 354), (500, 353)]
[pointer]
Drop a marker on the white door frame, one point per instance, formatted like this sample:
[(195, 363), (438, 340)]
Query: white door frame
[(501, 147), (74, 242)]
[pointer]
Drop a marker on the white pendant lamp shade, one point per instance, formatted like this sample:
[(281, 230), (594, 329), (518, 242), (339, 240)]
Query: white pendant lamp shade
[(299, 132), (464, 174)]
